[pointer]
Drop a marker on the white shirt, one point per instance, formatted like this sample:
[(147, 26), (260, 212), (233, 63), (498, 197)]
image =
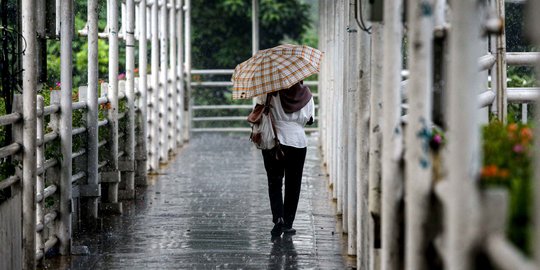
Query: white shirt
[(290, 126)]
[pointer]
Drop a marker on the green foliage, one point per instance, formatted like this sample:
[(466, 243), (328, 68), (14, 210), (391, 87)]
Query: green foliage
[(507, 163)]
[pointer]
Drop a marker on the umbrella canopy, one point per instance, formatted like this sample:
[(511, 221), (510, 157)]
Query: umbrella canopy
[(274, 69)]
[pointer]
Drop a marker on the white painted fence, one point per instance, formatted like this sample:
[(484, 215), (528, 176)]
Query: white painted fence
[(409, 215), (92, 180)]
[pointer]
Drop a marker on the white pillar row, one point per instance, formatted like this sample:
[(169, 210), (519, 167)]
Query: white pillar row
[(163, 83), (392, 179), (153, 122), (173, 86), (344, 113)]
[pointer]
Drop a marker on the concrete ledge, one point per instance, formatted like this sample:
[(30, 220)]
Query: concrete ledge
[(110, 177), (114, 208), (90, 190)]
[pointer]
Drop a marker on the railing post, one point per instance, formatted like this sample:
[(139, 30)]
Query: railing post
[(91, 98), (28, 13), (181, 82), (343, 114), (127, 163), (142, 100), (418, 165), (65, 127), (392, 181), (111, 174), (501, 97), (532, 23), (463, 160), (40, 179), (188, 103), (164, 85), (153, 122), (333, 97), (173, 87), (375, 145), (362, 136), (352, 88)]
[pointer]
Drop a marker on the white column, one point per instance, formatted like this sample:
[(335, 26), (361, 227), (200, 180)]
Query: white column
[(164, 84), (418, 165), (173, 87), (29, 84), (532, 23), (463, 160), (92, 177), (181, 83), (344, 112), (188, 113), (392, 182), (142, 145), (129, 146), (362, 137), (66, 56), (153, 123)]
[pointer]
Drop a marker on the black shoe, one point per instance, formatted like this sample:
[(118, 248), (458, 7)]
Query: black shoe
[(288, 230), (278, 227)]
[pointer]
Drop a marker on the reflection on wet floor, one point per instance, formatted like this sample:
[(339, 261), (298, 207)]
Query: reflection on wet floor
[(209, 209)]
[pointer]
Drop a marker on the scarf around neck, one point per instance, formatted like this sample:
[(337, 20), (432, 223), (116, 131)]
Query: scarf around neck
[(294, 98)]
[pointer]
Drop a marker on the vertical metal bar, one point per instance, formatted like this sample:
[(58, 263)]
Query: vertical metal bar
[(66, 85), (463, 160), (28, 13), (142, 134), (375, 145), (153, 123), (343, 111), (164, 85), (188, 113), (92, 106), (502, 99), (40, 179), (392, 182), (362, 136), (524, 113), (322, 74), (181, 85), (254, 26), (418, 164), (173, 88), (338, 113), (112, 95), (351, 74), (129, 146), (533, 20)]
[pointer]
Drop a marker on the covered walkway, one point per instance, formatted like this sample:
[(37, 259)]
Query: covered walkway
[(209, 209)]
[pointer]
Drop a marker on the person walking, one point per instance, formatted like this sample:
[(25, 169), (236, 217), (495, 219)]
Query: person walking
[(278, 73), (292, 109)]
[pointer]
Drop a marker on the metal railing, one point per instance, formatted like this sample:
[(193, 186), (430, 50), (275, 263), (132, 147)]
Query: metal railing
[(132, 122), (398, 199)]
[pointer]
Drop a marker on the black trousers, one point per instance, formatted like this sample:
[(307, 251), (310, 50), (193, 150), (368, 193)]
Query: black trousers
[(290, 167)]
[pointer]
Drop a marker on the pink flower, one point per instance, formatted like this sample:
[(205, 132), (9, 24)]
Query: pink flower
[(518, 148), (437, 139), (121, 76)]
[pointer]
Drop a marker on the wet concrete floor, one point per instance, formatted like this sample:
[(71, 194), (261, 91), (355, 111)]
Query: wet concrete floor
[(209, 209)]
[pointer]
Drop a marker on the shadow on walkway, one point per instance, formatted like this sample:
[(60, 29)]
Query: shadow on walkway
[(209, 209)]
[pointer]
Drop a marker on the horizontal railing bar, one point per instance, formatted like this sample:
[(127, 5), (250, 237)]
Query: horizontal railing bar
[(9, 181), (48, 110), (50, 243), (78, 105), (49, 191), (102, 164), (220, 118), (50, 217), (48, 164), (39, 227), (10, 119), (522, 58), (102, 143), (212, 71), (103, 122), (486, 98), (523, 95), (77, 131), (309, 130), (77, 176), (78, 153), (487, 61), (9, 150), (505, 256), (39, 254), (221, 107), (50, 137), (121, 115), (121, 134), (211, 84), (103, 100), (121, 95), (121, 153)]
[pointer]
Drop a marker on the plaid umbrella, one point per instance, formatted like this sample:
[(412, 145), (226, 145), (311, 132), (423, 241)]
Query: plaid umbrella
[(274, 69)]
